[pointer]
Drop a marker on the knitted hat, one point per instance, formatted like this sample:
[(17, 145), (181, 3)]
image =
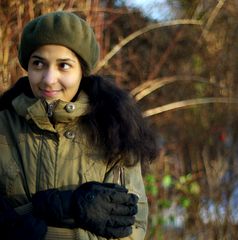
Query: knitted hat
[(59, 28)]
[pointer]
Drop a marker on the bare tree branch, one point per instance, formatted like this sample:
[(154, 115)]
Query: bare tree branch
[(212, 17), (150, 86), (188, 103), (141, 31)]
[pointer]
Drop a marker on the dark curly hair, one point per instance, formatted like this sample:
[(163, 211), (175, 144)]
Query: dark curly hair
[(117, 123)]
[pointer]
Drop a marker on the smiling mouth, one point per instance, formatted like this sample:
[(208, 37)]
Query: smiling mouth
[(49, 93)]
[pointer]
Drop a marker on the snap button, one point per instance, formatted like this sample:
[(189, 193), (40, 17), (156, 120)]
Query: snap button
[(70, 107), (89, 196), (69, 134)]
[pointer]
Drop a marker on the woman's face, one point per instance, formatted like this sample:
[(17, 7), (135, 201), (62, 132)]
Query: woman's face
[(54, 73)]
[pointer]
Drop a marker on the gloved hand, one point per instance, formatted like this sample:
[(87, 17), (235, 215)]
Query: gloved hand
[(16, 227), (105, 209), (54, 206)]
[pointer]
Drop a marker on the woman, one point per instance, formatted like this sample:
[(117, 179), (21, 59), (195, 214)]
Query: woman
[(72, 144)]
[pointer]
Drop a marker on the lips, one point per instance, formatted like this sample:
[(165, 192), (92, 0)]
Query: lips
[(49, 93)]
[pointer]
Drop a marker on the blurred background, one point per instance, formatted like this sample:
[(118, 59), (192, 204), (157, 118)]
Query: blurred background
[(179, 61)]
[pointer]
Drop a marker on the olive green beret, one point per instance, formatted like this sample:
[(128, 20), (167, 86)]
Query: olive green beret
[(60, 28)]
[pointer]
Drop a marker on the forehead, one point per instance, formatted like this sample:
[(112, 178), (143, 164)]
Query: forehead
[(54, 52)]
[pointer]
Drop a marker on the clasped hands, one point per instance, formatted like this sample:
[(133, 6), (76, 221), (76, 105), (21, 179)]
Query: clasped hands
[(105, 209)]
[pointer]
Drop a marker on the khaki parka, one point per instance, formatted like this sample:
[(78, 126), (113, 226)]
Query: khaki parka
[(37, 155)]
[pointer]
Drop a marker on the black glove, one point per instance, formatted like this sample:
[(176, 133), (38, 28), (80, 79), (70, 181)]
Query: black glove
[(16, 227), (54, 206), (105, 209)]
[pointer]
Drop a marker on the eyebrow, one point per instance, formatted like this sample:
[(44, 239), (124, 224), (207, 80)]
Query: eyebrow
[(58, 60), (36, 56)]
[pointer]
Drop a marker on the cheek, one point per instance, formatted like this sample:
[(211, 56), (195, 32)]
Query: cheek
[(72, 83), (33, 77), (71, 89), (33, 80)]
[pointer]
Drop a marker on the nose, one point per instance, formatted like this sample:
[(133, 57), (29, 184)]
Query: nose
[(50, 76)]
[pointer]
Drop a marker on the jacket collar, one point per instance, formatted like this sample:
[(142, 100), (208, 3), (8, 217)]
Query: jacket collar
[(35, 109)]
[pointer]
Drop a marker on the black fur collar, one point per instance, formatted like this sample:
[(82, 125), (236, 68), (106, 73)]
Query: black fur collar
[(21, 86)]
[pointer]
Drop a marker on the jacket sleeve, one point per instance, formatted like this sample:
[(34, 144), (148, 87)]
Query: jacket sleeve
[(133, 181)]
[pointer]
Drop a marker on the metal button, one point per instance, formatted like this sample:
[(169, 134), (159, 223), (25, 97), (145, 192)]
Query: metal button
[(70, 107), (69, 134)]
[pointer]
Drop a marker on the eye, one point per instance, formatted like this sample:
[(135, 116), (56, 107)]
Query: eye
[(64, 66), (38, 64)]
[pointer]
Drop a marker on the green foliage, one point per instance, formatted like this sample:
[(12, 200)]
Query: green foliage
[(179, 192), (151, 187), (184, 201), (187, 185), (167, 181)]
